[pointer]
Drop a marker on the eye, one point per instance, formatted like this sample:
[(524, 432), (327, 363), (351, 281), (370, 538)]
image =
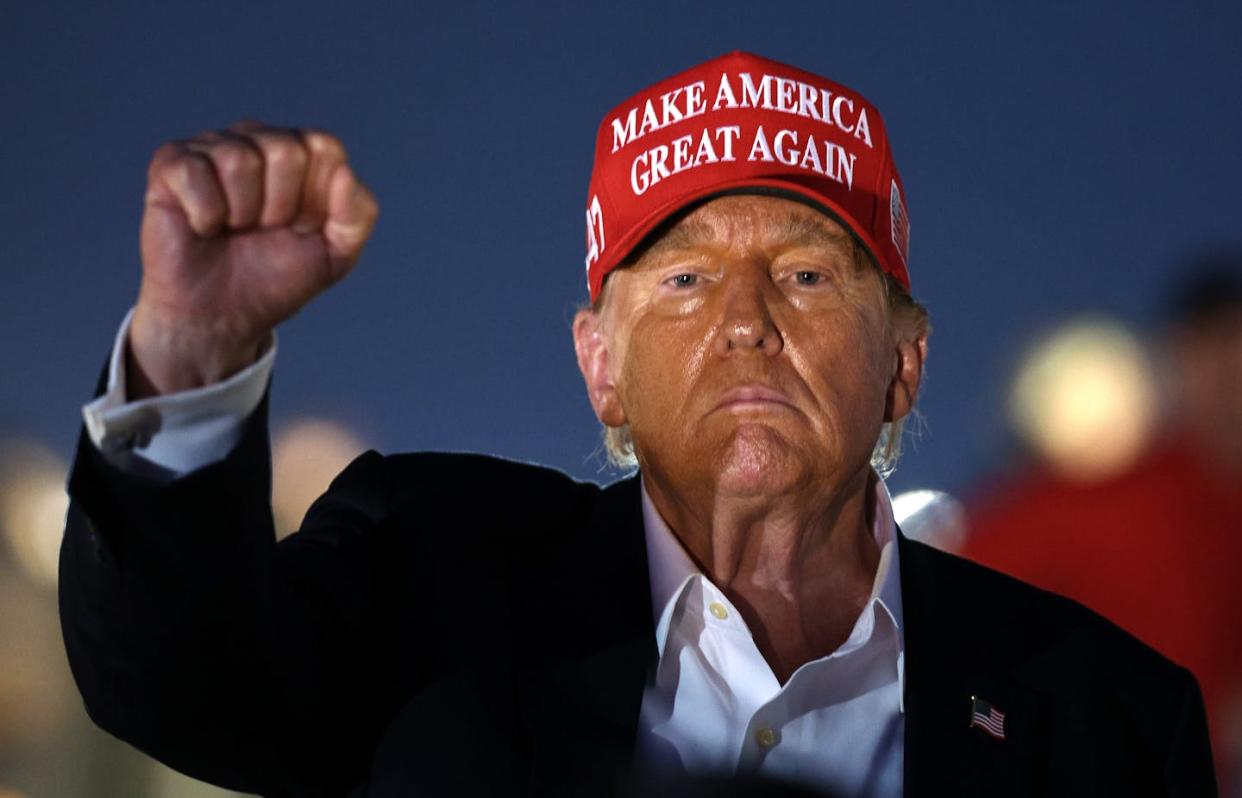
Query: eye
[(683, 280), (809, 277)]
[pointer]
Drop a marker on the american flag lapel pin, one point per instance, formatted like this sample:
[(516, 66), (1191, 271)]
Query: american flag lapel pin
[(987, 717)]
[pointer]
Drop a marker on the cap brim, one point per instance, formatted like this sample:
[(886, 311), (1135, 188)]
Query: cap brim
[(770, 186)]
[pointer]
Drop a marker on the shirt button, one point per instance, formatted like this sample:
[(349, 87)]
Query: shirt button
[(718, 610), (765, 737)]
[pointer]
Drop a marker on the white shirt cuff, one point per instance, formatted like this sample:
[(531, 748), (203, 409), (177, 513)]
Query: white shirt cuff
[(181, 431)]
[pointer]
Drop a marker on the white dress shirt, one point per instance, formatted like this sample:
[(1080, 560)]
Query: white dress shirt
[(715, 706)]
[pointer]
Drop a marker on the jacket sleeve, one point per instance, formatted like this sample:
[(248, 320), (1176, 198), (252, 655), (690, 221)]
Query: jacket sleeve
[(197, 638)]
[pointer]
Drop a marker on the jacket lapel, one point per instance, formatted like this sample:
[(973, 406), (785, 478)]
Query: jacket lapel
[(956, 650)]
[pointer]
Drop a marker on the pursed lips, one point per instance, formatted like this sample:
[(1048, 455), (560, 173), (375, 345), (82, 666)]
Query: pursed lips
[(754, 396)]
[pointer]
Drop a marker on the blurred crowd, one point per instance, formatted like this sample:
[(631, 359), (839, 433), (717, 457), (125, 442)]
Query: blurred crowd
[(1121, 491), (1125, 495)]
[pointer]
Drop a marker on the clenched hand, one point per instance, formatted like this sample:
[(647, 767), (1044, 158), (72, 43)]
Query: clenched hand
[(242, 227)]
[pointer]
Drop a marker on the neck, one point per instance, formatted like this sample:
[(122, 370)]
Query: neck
[(799, 567)]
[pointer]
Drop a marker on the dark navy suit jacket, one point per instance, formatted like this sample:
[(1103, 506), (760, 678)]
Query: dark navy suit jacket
[(450, 624)]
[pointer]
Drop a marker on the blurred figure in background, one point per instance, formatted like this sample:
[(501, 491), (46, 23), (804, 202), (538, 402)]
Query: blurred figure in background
[(1142, 523)]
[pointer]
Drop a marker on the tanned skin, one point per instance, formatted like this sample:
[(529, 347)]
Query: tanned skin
[(755, 362)]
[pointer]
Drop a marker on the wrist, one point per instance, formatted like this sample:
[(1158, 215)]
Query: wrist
[(166, 358)]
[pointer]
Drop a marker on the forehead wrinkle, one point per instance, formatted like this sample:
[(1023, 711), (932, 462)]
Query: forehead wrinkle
[(800, 229), (688, 232)]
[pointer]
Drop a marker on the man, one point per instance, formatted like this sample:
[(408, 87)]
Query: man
[(461, 624)]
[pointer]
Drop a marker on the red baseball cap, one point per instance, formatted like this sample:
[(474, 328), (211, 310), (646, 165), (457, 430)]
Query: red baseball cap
[(736, 123)]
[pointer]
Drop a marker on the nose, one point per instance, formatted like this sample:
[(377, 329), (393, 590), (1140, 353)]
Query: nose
[(746, 321)]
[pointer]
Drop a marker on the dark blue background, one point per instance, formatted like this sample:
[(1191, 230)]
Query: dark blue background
[(1057, 159)]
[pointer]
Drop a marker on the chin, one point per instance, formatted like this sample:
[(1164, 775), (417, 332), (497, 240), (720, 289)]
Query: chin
[(757, 461)]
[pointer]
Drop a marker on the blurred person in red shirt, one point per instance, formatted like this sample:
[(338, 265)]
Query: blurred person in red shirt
[(1154, 543)]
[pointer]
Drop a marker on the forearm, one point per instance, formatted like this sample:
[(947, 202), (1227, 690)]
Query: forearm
[(160, 589), (198, 639)]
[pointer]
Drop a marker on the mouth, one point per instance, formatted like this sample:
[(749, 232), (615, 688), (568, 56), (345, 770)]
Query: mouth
[(754, 397)]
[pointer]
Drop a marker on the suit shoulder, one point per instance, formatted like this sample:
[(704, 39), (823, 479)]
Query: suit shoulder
[(1034, 619), (458, 470), (463, 483), (473, 465), (1083, 670)]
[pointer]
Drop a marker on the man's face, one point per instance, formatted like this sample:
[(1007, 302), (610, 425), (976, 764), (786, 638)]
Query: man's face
[(748, 351)]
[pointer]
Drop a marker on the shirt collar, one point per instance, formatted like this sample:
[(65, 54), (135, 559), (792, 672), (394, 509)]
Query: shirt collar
[(670, 568)]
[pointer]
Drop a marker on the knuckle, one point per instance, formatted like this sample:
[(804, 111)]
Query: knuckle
[(324, 145), (234, 159), (284, 152), (184, 168), (163, 155), (165, 151)]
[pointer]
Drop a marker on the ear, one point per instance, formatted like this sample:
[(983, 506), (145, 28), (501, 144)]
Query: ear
[(903, 389), (592, 348)]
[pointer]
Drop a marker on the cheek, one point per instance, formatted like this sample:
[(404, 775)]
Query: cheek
[(847, 368), (661, 364)]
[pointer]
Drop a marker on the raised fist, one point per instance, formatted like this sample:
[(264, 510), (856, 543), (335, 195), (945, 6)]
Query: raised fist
[(242, 227)]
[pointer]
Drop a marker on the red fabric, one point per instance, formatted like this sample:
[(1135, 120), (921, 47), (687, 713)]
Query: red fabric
[(741, 121), (1156, 549)]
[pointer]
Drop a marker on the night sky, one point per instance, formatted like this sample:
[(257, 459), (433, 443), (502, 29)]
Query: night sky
[(1058, 160)]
